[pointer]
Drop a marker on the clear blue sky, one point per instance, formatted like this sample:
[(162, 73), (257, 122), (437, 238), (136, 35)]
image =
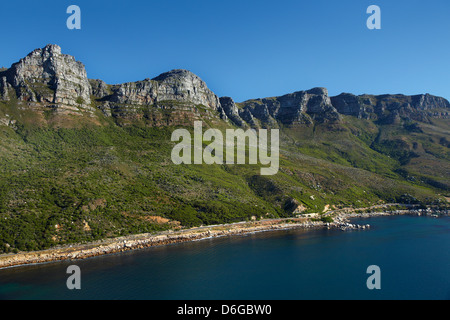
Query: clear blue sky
[(246, 48)]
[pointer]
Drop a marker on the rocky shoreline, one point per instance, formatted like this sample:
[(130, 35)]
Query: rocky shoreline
[(133, 242), (110, 246)]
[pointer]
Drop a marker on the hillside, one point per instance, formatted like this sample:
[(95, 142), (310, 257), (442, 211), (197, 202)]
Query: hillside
[(83, 160)]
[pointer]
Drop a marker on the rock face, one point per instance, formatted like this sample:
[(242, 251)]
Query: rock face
[(183, 85), (301, 107), (349, 104), (99, 88), (176, 85), (50, 77), (390, 108), (231, 110), (4, 87), (178, 91)]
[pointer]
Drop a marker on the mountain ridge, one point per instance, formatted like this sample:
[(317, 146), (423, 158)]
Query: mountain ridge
[(48, 77)]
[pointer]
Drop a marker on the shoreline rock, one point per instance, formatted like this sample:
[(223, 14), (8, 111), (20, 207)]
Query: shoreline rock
[(141, 241)]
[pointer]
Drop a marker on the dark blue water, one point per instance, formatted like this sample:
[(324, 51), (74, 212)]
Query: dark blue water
[(412, 253)]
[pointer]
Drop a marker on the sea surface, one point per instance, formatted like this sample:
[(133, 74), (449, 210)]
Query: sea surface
[(412, 253)]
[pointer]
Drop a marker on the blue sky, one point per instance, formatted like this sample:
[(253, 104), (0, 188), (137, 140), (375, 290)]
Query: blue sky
[(246, 49)]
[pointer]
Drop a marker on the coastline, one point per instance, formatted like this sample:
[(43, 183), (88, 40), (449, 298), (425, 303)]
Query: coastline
[(133, 242)]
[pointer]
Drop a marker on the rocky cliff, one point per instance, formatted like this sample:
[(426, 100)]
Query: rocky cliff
[(176, 85), (48, 78), (302, 107), (231, 111), (391, 108), (179, 92)]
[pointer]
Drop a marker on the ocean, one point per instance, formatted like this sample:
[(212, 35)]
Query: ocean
[(412, 254)]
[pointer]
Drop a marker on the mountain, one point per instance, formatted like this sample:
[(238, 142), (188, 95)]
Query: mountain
[(82, 160), (176, 90), (49, 77), (392, 108), (302, 107)]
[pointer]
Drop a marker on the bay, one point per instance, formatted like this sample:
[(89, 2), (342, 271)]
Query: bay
[(412, 253)]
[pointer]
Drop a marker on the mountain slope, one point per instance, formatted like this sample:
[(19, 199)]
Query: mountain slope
[(78, 167)]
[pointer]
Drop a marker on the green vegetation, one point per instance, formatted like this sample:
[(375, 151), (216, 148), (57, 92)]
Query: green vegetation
[(327, 219), (62, 184)]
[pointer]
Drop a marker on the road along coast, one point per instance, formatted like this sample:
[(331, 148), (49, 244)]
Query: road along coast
[(115, 245)]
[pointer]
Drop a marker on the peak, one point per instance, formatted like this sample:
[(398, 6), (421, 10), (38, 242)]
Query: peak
[(52, 48), (226, 98), (345, 94), (48, 49), (318, 90), (48, 68), (178, 71), (175, 73)]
